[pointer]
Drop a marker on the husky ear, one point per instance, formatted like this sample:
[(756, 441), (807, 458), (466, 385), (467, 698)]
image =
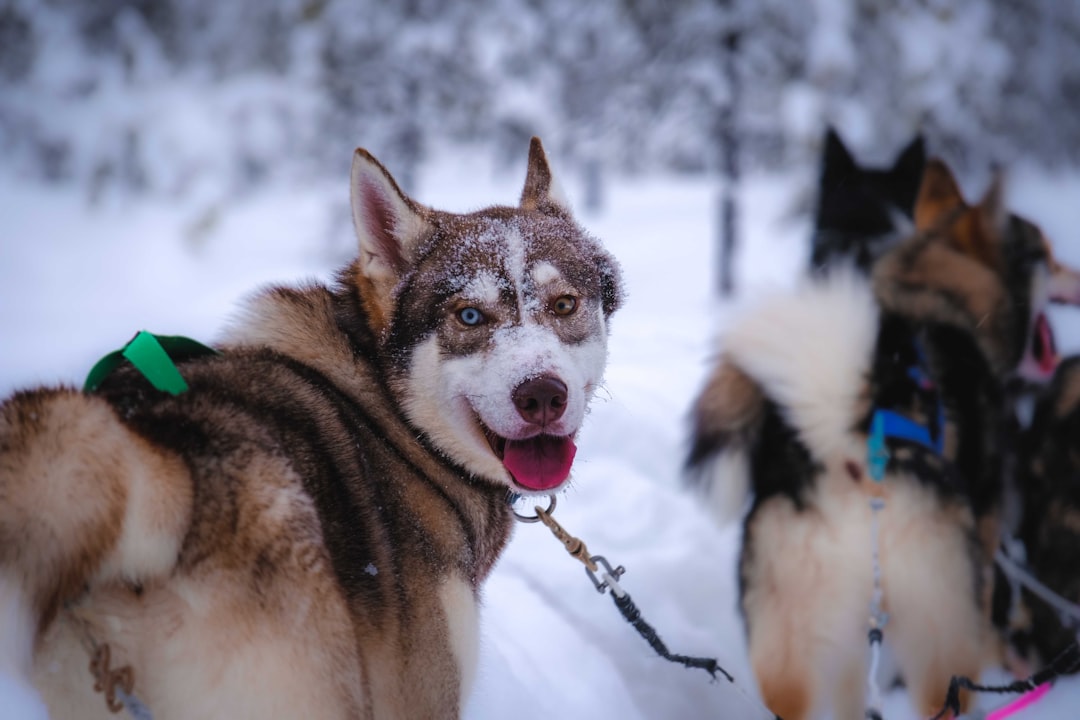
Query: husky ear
[(837, 161), (992, 210), (908, 171), (912, 159), (388, 227), (974, 231), (939, 194), (982, 232), (541, 191)]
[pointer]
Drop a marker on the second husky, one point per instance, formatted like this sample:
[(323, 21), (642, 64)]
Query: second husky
[(788, 414)]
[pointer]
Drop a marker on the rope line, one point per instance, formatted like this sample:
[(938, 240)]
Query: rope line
[(1068, 610), (605, 577), (632, 615), (1064, 664), (878, 617)]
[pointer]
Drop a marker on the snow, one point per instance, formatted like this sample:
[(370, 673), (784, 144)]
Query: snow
[(77, 281)]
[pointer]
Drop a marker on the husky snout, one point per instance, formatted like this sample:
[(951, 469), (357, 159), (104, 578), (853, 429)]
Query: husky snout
[(539, 460), (1064, 284), (540, 401)]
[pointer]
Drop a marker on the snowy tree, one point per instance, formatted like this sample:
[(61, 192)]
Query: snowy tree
[(100, 93)]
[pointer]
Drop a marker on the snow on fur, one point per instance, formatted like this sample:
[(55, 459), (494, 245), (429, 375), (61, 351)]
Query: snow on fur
[(76, 282)]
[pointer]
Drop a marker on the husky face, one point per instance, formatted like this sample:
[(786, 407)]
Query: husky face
[(495, 323), (1013, 250), (505, 338), (1032, 278), (861, 211)]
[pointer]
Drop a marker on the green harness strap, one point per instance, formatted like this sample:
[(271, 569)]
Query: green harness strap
[(155, 356)]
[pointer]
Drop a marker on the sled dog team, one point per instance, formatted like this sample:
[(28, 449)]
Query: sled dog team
[(302, 527), (868, 422)]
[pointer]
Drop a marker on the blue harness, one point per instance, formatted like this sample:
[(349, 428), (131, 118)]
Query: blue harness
[(885, 426), (888, 425)]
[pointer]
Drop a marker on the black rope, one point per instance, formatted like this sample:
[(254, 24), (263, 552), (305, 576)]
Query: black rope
[(633, 616), (1065, 663)]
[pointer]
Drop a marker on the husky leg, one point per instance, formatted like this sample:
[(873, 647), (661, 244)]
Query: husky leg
[(783, 667), (805, 605), (929, 566), (82, 500), (813, 674)]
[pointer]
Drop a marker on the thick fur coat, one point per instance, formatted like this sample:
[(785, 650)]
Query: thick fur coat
[(781, 437), (305, 531)]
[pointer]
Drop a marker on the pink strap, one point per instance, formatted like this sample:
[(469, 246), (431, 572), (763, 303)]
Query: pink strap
[(1028, 698)]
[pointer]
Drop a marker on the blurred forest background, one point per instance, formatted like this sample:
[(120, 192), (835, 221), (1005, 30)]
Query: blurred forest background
[(204, 97)]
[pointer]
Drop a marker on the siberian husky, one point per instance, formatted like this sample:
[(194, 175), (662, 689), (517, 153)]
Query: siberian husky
[(304, 532), (811, 385), (863, 211), (1048, 479)]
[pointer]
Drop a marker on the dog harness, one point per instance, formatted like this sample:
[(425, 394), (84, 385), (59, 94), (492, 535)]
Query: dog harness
[(891, 428), (888, 426), (155, 357)]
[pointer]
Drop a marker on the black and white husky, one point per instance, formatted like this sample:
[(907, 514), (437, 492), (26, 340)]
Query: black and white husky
[(863, 211), (852, 391)]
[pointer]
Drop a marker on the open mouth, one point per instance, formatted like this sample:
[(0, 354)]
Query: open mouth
[(1043, 349), (539, 463)]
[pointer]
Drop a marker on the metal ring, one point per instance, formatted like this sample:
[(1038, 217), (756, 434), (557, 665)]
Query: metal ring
[(531, 518), (615, 573)]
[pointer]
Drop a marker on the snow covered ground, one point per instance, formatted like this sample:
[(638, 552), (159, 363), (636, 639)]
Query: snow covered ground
[(76, 282)]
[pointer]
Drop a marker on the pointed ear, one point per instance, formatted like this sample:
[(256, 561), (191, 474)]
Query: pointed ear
[(907, 172), (541, 191), (992, 210), (912, 160), (387, 222), (837, 161), (970, 235), (939, 195), (979, 231), (388, 226)]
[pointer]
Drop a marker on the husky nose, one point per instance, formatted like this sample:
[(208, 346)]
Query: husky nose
[(541, 400)]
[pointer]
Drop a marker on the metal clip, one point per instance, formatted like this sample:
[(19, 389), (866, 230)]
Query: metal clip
[(108, 680), (877, 453), (531, 518), (574, 545), (611, 575)]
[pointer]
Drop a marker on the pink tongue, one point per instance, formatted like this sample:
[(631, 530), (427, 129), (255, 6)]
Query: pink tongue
[(541, 462), (1048, 357)]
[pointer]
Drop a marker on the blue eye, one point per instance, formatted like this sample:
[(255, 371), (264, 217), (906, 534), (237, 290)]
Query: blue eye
[(470, 316)]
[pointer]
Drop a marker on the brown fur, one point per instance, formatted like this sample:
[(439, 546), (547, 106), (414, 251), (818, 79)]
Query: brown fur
[(281, 540), (957, 253), (730, 400), (941, 208), (805, 568)]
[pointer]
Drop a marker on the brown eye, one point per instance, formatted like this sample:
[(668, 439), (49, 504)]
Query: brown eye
[(564, 305)]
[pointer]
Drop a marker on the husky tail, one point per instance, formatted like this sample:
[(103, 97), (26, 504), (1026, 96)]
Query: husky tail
[(808, 352)]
